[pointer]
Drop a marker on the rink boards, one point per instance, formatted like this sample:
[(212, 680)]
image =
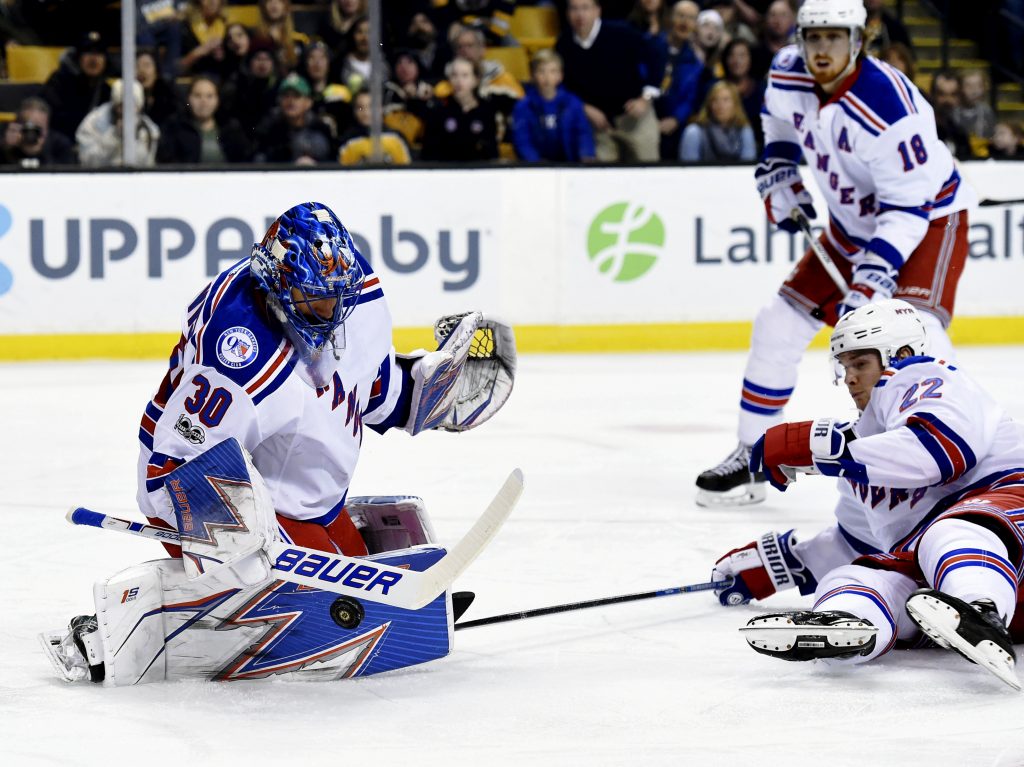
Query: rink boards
[(101, 265)]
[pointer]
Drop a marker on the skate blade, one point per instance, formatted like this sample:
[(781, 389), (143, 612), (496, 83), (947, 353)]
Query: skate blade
[(744, 495), (939, 621), (52, 644), (780, 634)]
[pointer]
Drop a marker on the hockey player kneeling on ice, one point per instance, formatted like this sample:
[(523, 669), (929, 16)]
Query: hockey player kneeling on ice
[(928, 538), (897, 213), (251, 442)]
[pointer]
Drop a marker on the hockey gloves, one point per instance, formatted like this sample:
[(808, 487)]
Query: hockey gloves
[(873, 279), (811, 447), (761, 568), (782, 189)]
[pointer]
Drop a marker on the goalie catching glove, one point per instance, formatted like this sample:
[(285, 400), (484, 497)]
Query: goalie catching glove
[(811, 447), (468, 379), (761, 568)]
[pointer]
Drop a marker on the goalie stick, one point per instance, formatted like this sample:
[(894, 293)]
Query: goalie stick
[(353, 576), (595, 603)]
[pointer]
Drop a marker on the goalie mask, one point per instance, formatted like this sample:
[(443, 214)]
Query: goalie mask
[(308, 267), (885, 326)]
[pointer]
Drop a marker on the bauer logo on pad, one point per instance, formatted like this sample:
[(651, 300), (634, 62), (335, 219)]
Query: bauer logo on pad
[(237, 347)]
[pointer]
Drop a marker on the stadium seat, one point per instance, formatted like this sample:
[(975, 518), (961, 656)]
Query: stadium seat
[(246, 15), (535, 27), (514, 59), (32, 63)]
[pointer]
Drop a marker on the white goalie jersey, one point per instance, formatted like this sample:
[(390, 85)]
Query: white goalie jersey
[(873, 149)]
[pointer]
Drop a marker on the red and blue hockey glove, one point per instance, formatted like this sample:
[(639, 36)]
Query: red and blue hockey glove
[(761, 568), (811, 447), (873, 279), (782, 189)]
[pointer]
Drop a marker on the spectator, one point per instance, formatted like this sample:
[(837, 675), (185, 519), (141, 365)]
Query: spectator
[(276, 23), (432, 49), (1007, 142), (196, 137), (975, 115), (493, 18), (685, 81), (79, 85), (294, 134), (495, 82), (462, 127), (735, 27), (161, 100), (721, 132), (336, 23), (709, 40), (737, 60), (251, 94), (99, 135), (236, 48), (609, 66), (945, 98), (28, 142), (549, 123), (356, 145), (205, 26), (354, 72), (407, 90), (650, 18), (158, 27), (331, 100), (882, 29), (779, 31), (902, 58)]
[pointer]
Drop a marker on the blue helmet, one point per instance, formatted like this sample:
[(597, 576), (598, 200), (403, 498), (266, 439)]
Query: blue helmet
[(307, 257)]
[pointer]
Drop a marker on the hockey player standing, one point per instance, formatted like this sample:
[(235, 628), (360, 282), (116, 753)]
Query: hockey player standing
[(897, 212), (282, 361), (929, 531)]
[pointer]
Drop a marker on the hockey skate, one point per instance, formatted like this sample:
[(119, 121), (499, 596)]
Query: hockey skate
[(807, 635), (975, 630), (730, 483), (76, 653)]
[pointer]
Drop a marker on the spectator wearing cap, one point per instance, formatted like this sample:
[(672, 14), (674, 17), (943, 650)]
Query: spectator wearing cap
[(294, 133), (549, 124), (204, 28), (99, 135), (197, 137), (251, 93), (28, 142), (355, 145), (611, 68), (79, 85)]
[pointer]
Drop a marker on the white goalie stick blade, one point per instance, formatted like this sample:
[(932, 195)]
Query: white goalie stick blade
[(940, 622), (354, 576)]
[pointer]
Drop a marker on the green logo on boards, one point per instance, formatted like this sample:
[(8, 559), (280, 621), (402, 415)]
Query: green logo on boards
[(624, 240)]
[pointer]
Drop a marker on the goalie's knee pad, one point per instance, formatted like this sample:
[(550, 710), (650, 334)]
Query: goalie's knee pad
[(154, 624), (390, 522)]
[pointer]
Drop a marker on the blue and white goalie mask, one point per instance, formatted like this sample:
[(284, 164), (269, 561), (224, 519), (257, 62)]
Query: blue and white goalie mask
[(308, 267)]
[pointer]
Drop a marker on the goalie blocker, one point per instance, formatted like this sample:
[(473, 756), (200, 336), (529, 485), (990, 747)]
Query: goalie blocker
[(225, 612)]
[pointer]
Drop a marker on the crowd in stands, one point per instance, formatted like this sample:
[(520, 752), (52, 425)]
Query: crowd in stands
[(617, 81)]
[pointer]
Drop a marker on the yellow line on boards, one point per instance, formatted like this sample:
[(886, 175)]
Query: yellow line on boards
[(530, 339)]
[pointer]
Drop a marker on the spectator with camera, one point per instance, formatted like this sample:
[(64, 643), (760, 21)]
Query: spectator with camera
[(28, 141)]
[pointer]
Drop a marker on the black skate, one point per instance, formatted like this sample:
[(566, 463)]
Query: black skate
[(730, 483), (975, 630), (77, 652), (807, 635)]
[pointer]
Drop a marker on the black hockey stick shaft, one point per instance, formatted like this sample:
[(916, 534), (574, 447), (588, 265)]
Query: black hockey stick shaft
[(536, 613), (992, 203)]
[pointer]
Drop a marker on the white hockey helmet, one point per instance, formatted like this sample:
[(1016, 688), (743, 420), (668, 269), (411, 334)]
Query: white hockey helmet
[(884, 326), (834, 14)]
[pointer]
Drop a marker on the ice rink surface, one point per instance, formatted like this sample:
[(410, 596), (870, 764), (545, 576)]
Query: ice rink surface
[(610, 447)]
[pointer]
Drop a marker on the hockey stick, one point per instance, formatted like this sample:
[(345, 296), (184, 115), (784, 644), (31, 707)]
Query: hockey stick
[(987, 203), (353, 576), (595, 603), (827, 263)]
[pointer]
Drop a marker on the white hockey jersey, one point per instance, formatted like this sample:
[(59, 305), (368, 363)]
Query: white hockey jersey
[(873, 149), (232, 374), (929, 437)]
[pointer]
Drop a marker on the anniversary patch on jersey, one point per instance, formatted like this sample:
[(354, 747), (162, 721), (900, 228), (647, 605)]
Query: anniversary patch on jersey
[(237, 347), (189, 431)]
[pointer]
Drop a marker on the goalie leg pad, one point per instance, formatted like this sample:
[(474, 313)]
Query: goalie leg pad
[(390, 522)]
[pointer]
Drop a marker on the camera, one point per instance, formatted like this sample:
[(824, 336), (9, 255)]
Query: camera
[(30, 133)]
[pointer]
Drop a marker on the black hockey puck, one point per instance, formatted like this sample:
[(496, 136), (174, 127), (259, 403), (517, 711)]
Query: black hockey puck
[(347, 613)]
